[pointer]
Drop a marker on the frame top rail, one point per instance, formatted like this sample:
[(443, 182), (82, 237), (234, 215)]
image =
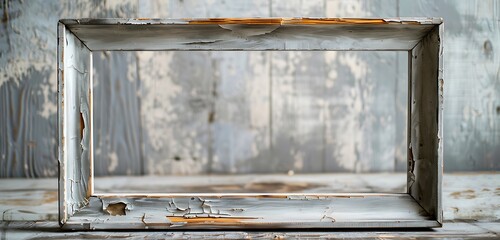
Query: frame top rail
[(251, 34)]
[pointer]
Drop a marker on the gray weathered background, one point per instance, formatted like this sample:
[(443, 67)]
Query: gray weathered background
[(245, 112)]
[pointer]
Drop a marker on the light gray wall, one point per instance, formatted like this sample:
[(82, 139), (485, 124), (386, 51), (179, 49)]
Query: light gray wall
[(223, 112)]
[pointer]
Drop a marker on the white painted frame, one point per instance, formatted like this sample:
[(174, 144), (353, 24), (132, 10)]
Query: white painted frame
[(80, 208)]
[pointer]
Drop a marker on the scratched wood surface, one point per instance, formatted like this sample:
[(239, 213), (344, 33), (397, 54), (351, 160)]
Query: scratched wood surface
[(471, 112)]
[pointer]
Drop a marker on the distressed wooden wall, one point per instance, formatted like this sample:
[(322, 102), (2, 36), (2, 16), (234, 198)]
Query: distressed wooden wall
[(227, 112)]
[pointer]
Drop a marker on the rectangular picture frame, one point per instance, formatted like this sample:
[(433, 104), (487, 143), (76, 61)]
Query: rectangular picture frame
[(80, 208)]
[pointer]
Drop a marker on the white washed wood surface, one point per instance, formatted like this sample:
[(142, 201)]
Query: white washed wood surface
[(466, 196), (352, 123)]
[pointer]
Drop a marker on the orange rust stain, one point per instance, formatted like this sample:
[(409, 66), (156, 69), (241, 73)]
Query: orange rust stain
[(264, 21), (285, 21), (335, 21), (143, 19), (210, 220)]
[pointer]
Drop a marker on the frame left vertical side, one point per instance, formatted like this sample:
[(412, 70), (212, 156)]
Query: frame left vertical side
[(74, 123)]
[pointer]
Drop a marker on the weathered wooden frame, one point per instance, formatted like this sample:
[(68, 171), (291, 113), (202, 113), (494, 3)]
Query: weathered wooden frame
[(81, 208)]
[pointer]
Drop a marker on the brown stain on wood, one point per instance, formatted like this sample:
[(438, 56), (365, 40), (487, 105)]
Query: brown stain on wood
[(298, 21), (28, 199), (261, 187), (467, 194), (209, 220), (50, 197)]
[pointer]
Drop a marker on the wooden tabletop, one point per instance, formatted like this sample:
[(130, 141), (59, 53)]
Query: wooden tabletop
[(471, 204)]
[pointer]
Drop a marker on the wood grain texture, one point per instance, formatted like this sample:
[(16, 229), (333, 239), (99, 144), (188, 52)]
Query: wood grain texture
[(255, 183), (177, 98), (472, 80), (240, 119), (368, 100), (117, 119), (298, 80), (329, 112), (28, 87), (213, 123), (466, 196), (453, 230)]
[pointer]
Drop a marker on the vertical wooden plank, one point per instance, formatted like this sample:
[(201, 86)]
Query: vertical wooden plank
[(425, 158), (298, 82), (217, 117), (28, 105), (73, 122), (472, 76), (361, 122), (177, 96), (240, 120), (401, 115), (360, 100), (117, 132), (27, 129)]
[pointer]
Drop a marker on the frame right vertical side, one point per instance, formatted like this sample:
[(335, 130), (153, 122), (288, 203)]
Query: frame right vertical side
[(425, 163)]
